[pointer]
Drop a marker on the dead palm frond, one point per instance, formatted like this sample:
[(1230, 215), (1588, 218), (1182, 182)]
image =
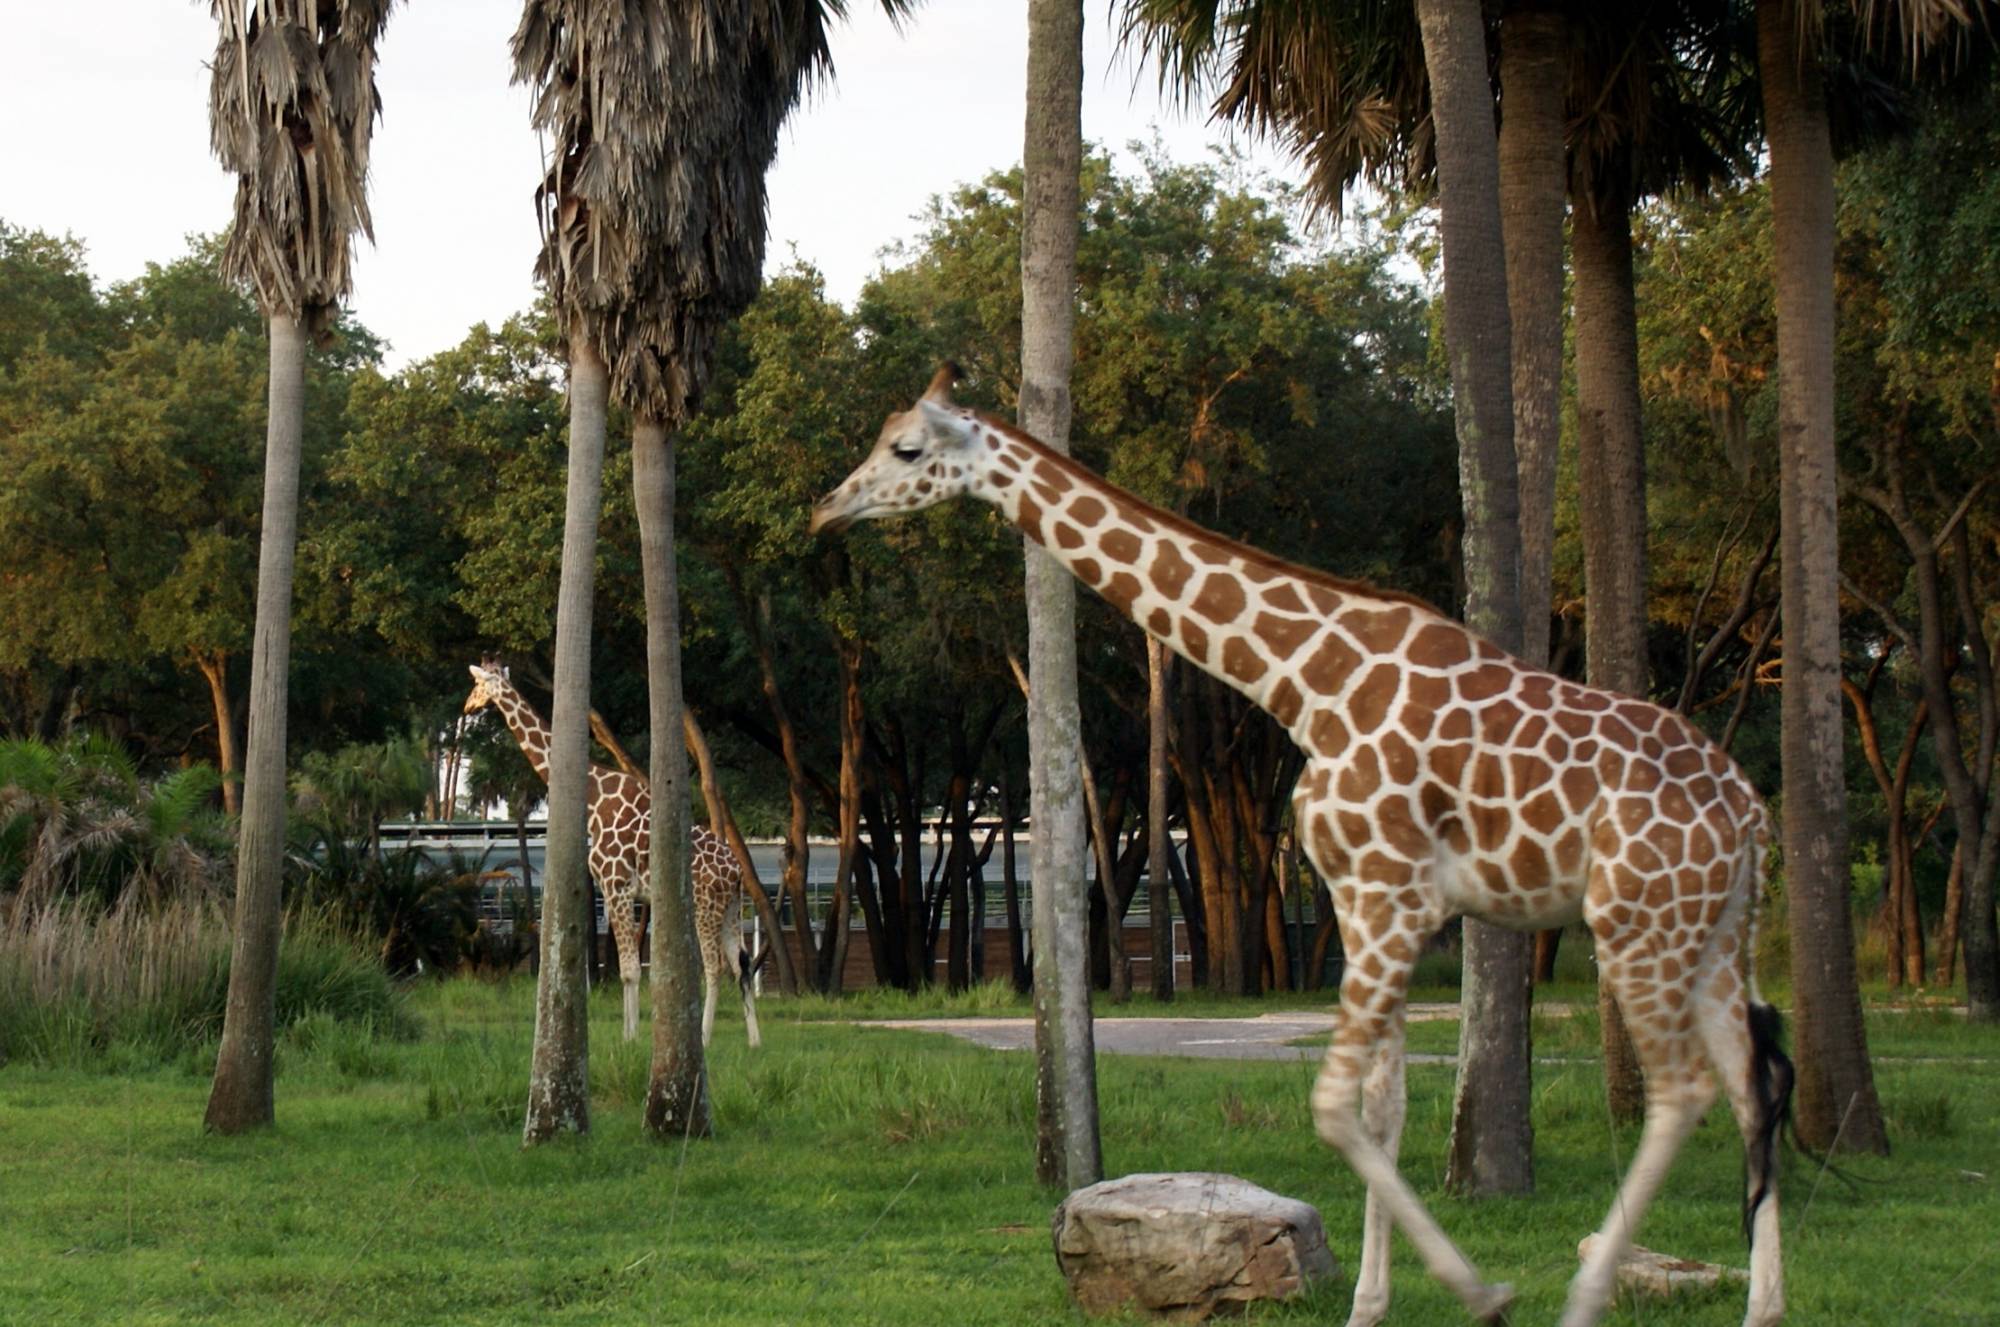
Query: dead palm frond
[(292, 107), (663, 120)]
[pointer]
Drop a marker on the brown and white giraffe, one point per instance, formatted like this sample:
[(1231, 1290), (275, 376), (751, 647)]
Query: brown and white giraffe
[(620, 851), (1443, 777)]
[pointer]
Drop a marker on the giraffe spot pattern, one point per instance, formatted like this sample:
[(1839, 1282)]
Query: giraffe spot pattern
[(1121, 546), (1221, 598)]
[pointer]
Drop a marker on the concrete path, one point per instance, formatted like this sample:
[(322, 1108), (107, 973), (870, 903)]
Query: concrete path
[(1264, 1037)]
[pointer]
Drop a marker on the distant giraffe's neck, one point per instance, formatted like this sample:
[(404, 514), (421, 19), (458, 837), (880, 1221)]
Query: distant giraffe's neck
[(1261, 625), (527, 727)]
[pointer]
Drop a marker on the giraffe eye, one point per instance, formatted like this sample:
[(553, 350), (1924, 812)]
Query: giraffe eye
[(907, 452)]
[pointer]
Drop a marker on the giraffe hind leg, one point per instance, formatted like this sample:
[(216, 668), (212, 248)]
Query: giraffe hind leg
[(1658, 1005), (625, 930), (746, 980), (1382, 946), (1740, 1035)]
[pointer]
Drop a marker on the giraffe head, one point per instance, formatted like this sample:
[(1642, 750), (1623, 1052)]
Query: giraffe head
[(925, 455), (489, 679)]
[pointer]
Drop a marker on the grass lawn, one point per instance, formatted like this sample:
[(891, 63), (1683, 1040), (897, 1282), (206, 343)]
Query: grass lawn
[(864, 1176)]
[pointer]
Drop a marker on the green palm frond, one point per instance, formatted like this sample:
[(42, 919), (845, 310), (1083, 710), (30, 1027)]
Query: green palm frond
[(292, 108)]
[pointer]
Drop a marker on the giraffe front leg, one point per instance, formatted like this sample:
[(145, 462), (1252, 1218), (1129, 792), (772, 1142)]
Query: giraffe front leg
[(1382, 938), (1384, 1103)]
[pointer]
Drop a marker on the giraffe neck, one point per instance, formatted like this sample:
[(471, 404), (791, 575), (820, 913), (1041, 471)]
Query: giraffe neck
[(1265, 627), (527, 727)]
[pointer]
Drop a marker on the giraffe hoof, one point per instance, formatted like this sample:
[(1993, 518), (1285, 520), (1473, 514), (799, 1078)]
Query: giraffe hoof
[(1491, 1303)]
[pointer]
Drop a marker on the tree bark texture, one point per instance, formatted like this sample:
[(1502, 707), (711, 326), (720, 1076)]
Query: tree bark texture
[(240, 1097), (1836, 1088), (1067, 1151), (559, 1075), (1492, 1142), (1611, 505), (1159, 894), (677, 1086), (214, 666), (1534, 81)]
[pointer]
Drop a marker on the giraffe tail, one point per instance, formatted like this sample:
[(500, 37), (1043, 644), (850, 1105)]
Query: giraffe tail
[(1771, 1072)]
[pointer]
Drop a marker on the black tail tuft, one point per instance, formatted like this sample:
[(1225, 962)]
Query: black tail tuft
[(1771, 1078)]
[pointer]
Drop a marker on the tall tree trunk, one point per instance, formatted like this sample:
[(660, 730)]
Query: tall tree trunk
[(1159, 893), (1836, 1088), (852, 729), (1534, 84), (1534, 79), (1492, 1141), (1067, 1151), (559, 1076), (241, 1096), (214, 666), (1010, 888), (1611, 503), (677, 1086)]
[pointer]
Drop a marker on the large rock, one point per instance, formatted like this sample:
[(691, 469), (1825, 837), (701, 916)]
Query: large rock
[(1186, 1245), (1661, 1275)]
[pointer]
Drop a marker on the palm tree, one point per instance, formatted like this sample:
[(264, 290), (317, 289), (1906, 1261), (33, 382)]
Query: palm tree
[(292, 108), (1653, 108), (1361, 90), (1492, 1143), (1067, 1150), (665, 120)]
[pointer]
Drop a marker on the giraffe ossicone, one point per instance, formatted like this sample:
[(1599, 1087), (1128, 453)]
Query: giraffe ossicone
[(621, 835), (1443, 777)]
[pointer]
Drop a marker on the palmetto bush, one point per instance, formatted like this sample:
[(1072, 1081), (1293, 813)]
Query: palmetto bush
[(77, 820), (416, 914), (82, 984)]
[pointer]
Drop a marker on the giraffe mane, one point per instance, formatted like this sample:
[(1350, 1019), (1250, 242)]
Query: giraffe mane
[(1181, 525)]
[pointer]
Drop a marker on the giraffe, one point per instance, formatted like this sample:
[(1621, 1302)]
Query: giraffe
[(620, 834), (1443, 777)]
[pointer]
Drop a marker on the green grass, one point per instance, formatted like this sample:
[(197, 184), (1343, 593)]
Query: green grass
[(867, 1176)]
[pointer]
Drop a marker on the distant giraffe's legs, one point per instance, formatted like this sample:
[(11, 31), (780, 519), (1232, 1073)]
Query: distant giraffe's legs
[(1382, 943), (621, 914), (1657, 998), (746, 982), (711, 985), (1723, 1015)]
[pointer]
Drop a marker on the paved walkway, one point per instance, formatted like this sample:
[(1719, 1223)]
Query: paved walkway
[(1265, 1037)]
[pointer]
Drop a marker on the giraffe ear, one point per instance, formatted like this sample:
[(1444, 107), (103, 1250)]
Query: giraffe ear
[(941, 419)]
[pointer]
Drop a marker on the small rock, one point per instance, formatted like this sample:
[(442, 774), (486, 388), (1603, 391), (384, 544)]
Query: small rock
[(1186, 1245), (1663, 1276)]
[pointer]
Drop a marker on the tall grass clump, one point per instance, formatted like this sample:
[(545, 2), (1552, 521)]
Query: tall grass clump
[(78, 980)]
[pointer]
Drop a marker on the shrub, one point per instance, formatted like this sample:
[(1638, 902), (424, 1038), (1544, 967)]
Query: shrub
[(77, 980)]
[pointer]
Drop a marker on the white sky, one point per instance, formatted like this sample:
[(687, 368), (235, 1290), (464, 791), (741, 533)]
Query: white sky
[(105, 108)]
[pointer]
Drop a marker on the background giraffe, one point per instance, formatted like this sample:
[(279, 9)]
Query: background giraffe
[(1443, 777), (620, 852)]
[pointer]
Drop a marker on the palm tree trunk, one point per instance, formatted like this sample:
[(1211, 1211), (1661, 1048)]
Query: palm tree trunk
[(1836, 1088), (1492, 1143), (677, 1088), (559, 1076), (1611, 502), (1067, 1151), (241, 1095), (1159, 893), (1533, 82)]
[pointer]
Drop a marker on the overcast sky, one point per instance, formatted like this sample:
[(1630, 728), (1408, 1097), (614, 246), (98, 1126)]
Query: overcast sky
[(107, 138)]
